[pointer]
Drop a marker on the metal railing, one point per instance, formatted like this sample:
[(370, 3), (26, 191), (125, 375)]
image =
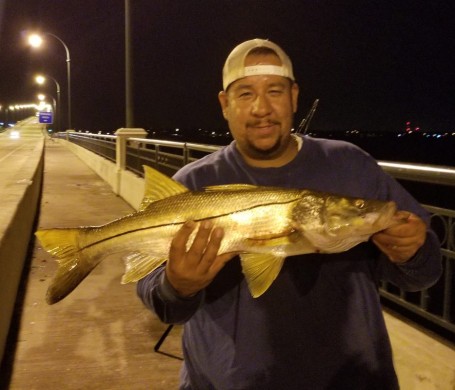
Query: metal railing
[(435, 304)]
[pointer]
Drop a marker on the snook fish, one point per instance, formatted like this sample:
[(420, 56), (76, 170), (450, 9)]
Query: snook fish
[(264, 224)]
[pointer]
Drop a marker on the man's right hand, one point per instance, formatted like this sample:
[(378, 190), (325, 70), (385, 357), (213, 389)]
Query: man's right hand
[(191, 271)]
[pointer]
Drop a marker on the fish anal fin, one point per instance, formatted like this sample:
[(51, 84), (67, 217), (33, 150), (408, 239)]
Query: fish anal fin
[(159, 186), (260, 271), (139, 265)]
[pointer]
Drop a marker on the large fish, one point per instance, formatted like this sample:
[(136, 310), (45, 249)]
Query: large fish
[(264, 224)]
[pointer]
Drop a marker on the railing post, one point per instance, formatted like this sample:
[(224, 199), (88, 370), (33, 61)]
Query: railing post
[(68, 132), (120, 150), (186, 154)]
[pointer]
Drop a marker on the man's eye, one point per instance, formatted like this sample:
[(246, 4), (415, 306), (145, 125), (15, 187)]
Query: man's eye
[(276, 92), (244, 94)]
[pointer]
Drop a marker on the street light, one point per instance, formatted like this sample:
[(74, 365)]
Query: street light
[(36, 40), (43, 105), (128, 68), (41, 79)]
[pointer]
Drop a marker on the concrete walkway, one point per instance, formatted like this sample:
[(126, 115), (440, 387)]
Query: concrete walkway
[(100, 336)]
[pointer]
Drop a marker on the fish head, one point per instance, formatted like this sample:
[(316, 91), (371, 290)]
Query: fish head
[(335, 223)]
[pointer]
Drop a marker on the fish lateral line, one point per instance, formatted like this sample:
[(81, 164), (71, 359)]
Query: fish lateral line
[(197, 220)]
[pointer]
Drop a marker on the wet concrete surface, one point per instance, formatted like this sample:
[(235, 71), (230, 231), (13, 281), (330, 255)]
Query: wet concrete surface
[(100, 336)]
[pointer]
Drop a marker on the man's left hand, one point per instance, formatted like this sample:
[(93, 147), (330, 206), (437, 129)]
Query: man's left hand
[(401, 242)]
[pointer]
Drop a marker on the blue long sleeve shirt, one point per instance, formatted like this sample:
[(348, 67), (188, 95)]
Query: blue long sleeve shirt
[(320, 324)]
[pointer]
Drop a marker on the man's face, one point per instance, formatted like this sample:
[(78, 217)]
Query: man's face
[(259, 110)]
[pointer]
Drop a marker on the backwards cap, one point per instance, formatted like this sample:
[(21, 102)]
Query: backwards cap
[(234, 67)]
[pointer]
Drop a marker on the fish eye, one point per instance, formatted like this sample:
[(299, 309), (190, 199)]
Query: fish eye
[(359, 203)]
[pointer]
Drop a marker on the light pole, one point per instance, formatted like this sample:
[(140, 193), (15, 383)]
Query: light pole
[(41, 79), (128, 68), (36, 40)]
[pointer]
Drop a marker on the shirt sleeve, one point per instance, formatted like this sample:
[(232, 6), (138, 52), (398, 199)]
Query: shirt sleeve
[(369, 180), (158, 295), (425, 268), (420, 272)]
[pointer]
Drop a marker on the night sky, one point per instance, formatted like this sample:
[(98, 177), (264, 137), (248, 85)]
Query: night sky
[(373, 64)]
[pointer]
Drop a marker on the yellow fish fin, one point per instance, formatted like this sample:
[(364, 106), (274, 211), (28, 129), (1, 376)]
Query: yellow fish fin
[(73, 266), (159, 186), (139, 265), (260, 271), (231, 187)]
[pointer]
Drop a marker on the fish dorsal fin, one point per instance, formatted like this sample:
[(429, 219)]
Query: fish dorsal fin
[(231, 187), (158, 186), (139, 265), (260, 271)]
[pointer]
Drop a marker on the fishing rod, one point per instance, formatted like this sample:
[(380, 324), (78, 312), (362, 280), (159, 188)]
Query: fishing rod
[(305, 124)]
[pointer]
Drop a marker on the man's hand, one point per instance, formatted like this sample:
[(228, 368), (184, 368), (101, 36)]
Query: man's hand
[(401, 242), (191, 271)]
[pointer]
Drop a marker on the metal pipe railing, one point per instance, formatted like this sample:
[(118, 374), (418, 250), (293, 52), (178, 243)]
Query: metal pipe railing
[(420, 172)]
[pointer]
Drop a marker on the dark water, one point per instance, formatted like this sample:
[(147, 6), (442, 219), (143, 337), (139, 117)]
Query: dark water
[(409, 148)]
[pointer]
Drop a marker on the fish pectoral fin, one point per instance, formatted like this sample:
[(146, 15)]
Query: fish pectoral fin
[(159, 186), (139, 265), (260, 271)]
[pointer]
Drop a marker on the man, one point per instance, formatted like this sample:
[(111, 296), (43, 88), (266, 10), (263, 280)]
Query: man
[(320, 324)]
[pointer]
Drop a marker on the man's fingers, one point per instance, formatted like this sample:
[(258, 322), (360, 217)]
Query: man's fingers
[(211, 250), (198, 247), (203, 249), (178, 243), (190, 270)]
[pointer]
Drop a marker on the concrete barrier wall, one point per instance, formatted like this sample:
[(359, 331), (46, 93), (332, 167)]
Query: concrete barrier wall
[(124, 183), (19, 207)]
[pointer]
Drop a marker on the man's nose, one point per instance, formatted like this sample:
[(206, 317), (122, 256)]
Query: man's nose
[(261, 106)]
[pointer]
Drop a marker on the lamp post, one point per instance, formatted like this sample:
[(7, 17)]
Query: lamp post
[(128, 68), (41, 79), (36, 40)]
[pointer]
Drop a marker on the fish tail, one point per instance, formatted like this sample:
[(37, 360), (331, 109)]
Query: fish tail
[(73, 266)]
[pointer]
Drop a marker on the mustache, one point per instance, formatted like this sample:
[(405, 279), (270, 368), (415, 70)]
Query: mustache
[(262, 123)]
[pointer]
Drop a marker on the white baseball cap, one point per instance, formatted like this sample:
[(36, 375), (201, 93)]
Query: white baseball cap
[(234, 67)]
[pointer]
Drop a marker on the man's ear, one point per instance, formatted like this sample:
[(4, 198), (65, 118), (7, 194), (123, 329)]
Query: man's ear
[(222, 97)]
